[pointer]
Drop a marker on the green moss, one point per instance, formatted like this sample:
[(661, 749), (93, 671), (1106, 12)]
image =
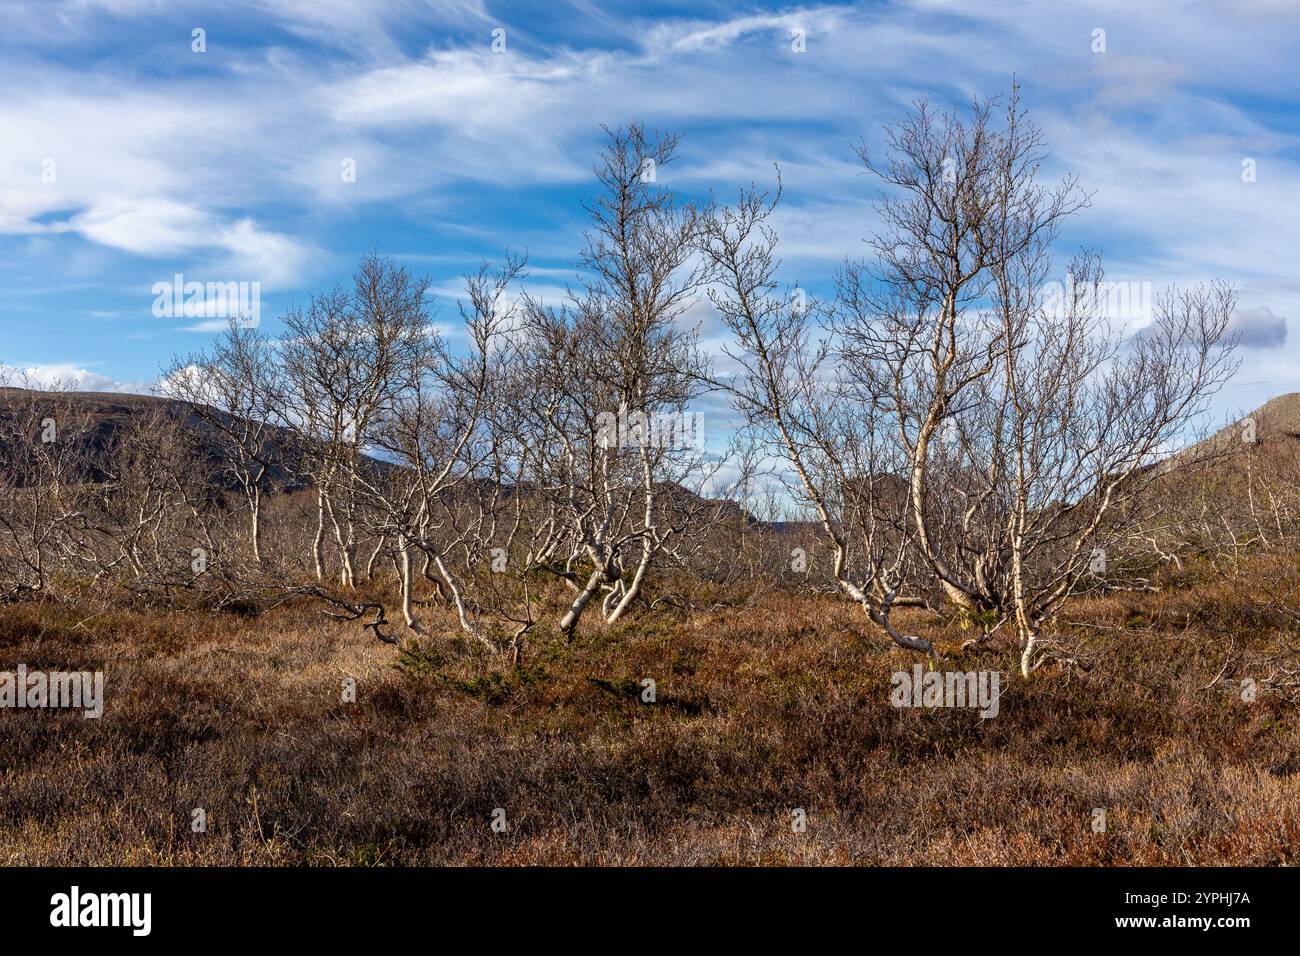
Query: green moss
[(623, 687)]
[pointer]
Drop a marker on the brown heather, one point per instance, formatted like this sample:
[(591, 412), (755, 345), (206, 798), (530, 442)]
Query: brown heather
[(760, 709)]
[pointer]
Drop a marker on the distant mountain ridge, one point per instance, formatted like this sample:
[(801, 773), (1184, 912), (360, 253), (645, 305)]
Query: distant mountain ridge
[(1275, 427), (112, 413)]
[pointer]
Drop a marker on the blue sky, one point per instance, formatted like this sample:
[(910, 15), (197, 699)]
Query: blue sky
[(226, 165)]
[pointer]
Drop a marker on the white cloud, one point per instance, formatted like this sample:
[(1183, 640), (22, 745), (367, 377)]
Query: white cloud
[(1259, 328), (149, 227), (67, 376), (231, 168)]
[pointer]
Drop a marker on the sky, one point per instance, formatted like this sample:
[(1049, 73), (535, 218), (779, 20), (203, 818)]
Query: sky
[(278, 142)]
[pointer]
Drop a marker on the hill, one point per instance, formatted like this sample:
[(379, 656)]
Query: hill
[(1274, 425), (101, 418)]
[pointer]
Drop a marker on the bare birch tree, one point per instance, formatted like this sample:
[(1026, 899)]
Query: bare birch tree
[(347, 357), (235, 394), (614, 374), (835, 434)]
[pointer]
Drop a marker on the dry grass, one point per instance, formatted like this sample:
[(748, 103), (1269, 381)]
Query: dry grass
[(759, 711)]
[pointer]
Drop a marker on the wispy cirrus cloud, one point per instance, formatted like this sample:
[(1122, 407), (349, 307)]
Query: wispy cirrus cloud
[(232, 162)]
